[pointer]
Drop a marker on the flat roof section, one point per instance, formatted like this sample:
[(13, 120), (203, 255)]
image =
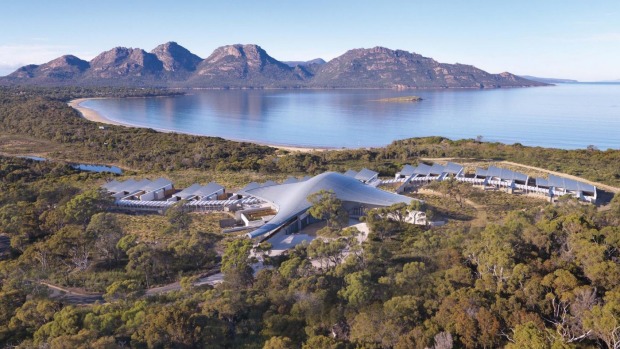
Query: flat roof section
[(436, 169), (422, 169), (188, 192), (407, 170), (570, 184), (206, 190), (350, 173), (156, 184), (250, 186), (453, 168), (506, 174), (366, 175), (117, 187), (111, 185)]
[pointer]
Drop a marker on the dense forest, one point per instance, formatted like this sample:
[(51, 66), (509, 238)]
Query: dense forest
[(505, 271), (538, 276)]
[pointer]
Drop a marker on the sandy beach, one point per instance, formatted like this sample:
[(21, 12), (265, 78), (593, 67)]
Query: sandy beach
[(92, 115)]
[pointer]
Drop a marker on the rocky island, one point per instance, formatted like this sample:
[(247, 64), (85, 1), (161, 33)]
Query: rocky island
[(403, 99)]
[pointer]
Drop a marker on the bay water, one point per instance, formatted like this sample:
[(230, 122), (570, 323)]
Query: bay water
[(567, 116)]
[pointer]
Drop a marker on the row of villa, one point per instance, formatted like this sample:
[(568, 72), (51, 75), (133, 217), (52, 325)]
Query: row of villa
[(496, 177)]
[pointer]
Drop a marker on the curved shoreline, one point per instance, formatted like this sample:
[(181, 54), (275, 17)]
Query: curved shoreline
[(91, 114), (95, 116)]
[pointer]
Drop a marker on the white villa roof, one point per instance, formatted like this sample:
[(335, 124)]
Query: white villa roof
[(436, 169), (506, 174), (453, 168), (542, 182), (570, 184), (111, 186), (117, 187), (407, 170), (129, 186), (291, 199), (350, 173), (139, 186), (250, 186), (422, 169), (366, 175), (156, 184), (188, 192), (209, 189)]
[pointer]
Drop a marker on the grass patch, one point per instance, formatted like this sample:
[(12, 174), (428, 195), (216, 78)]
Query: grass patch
[(150, 228)]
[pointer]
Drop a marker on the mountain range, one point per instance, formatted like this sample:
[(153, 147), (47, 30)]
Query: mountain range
[(249, 66)]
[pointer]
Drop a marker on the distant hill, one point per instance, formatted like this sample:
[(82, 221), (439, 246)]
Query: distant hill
[(385, 68), (249, 66), (548, 80), (244, 66), (293, 64), (65, 68)]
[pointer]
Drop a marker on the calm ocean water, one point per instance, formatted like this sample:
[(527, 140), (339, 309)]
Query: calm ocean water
[(566, 116)]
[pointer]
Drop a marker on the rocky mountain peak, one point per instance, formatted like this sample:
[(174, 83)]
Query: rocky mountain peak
[(67, 60), (176, 57), (251, 53), (249, 65), (123, 61), (62, 68), (24, 72)]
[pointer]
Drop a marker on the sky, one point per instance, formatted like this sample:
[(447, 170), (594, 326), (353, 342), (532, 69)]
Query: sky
[(546, 38)]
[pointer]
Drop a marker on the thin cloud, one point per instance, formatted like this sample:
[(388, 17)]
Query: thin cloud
[(611, 37), (15, 56), (604, 37)]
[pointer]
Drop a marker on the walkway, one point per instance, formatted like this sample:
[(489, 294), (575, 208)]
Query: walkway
[(5, 244), (72, 296)]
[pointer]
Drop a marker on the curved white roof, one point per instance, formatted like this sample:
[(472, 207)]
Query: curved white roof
[(290, 179), (291, 199)]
